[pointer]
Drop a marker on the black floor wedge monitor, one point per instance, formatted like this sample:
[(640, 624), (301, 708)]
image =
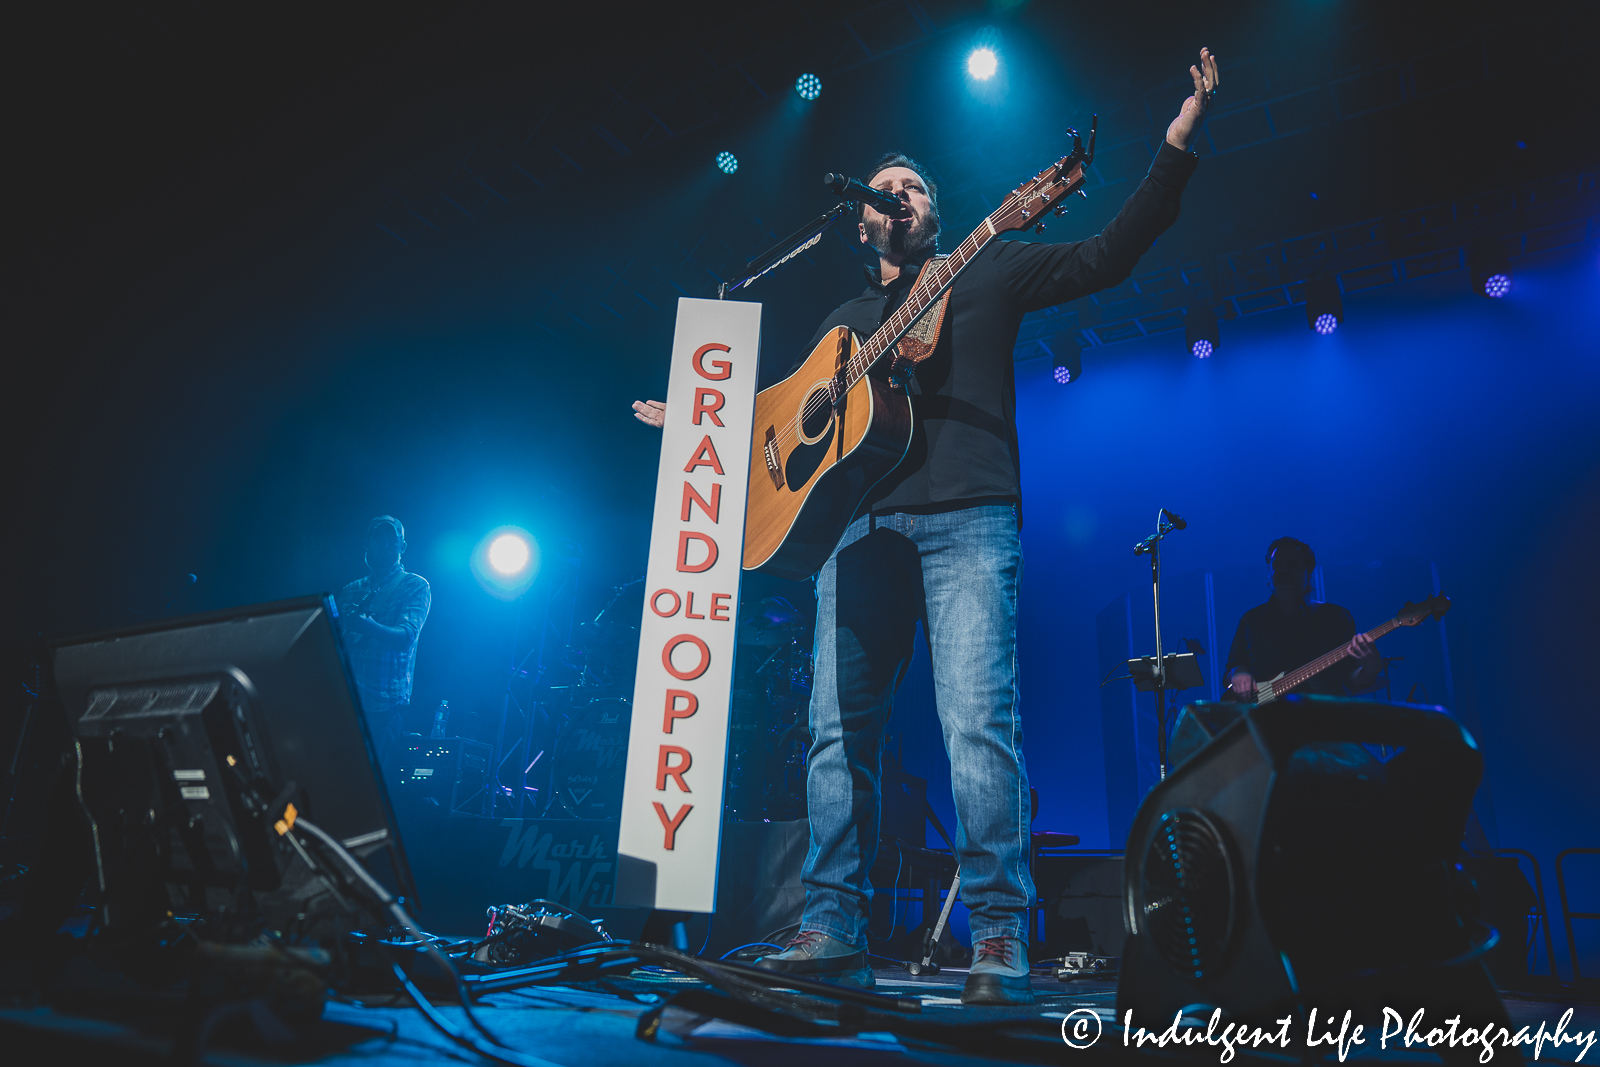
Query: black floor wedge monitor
[(200, 741)]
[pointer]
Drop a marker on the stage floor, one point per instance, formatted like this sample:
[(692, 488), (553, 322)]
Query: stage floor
[(588, 1025)]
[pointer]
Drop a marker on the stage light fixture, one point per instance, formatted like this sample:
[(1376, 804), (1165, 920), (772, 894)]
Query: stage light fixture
[(1324, 305), (1068, 362), (727, 162), (983, 63), (1201, 334), (506, 562), (809, 86), (508, 554), (1491, 270)]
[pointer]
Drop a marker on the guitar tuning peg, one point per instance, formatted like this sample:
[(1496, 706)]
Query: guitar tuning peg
[(1038, 227), (1083, 193)]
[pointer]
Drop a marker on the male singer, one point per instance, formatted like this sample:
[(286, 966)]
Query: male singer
[(937, 541)]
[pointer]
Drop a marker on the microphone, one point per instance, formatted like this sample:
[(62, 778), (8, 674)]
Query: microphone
[(1177, 520), (853, 189)]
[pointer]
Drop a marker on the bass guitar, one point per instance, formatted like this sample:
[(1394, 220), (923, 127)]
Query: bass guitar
[(825, 435), (1410, 615)]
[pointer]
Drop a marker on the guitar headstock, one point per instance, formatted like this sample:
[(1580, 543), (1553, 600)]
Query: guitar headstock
[(1434, 606), (1029, 204)]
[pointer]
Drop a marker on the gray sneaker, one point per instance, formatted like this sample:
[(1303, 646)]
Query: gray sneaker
[(814, 954), (999, 973)]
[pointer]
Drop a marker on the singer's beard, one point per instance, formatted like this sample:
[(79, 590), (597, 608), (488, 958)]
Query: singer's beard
[(902, 240)]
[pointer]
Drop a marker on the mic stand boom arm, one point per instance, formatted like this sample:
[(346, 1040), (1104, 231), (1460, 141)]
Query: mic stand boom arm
[(805, 237)]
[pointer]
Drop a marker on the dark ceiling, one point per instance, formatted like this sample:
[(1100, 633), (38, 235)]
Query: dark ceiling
[(184, 174)]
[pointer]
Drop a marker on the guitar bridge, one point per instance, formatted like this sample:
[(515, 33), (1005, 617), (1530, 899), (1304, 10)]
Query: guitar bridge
[(769, 449)]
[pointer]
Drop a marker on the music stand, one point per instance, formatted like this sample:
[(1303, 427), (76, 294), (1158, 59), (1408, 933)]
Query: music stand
[(1181, 671)]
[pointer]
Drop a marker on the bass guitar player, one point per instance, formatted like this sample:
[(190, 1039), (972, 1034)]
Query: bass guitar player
[(1291, 629)]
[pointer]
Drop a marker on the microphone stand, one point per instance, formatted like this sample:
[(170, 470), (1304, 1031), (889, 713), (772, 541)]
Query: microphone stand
[(1151, 546), (805, 237)]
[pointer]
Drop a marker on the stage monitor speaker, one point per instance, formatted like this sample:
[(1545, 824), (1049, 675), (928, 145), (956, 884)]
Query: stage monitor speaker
[(1282, 866), (202, 739)]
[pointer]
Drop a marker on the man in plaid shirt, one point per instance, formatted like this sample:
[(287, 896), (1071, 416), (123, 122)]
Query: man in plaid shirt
[(382, 615)]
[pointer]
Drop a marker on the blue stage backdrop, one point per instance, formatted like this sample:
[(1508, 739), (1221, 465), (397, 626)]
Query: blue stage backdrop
[(1434, 430)]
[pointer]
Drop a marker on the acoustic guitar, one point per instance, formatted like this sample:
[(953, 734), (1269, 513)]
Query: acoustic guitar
[(1410, 615), (825, 435)]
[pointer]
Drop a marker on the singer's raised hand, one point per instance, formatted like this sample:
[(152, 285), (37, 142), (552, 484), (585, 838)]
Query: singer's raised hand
[(1206, 77), (651, 412)]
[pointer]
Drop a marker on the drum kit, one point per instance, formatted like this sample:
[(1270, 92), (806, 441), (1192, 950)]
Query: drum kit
[(769, 733)]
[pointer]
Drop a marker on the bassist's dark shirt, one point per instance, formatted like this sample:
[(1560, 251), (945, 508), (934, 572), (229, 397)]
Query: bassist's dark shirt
[(964, 440), (1269, 643)]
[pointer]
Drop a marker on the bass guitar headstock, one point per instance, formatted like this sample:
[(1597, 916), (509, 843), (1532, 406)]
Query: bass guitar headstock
[(1032, 202), (1434, 606)]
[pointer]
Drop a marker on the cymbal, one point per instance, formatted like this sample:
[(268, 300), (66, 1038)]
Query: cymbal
[(617, 625)]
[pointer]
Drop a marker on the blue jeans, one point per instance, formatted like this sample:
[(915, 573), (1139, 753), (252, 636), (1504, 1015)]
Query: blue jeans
[(956, 571)]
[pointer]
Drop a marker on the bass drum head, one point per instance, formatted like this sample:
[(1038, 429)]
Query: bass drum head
[(586, 771)]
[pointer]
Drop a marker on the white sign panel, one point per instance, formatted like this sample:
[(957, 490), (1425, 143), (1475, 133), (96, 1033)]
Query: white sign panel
[(678, 745)]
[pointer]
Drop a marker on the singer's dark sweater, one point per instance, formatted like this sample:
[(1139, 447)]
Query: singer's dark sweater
[(964, 445)]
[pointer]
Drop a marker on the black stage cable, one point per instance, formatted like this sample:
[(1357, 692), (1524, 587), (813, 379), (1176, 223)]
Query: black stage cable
[(728, 976), (497, 1051), (753, 944), (748, 984), (894, 896), (499, 1054)]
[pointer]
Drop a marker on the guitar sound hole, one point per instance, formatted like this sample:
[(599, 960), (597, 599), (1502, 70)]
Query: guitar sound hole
[(816, 414)]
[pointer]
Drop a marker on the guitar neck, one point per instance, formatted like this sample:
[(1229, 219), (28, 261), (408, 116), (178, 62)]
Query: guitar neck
[(1304, 674), (937, 276), (1026, 206)]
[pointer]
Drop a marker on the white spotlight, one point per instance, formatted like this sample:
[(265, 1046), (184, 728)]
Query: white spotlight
[(508, 554), (982, 64)]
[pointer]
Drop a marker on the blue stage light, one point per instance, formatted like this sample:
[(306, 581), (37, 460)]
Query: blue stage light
[(508, 554), (727, 162), (1201, 331), (1324, 304), (506, 562), (982, 63), (1069, 359), (1497, 285), (809, 86)]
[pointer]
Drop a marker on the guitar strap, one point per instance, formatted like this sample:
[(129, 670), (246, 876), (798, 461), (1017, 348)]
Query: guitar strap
[(373, 595), (388, 587), (923, 337)]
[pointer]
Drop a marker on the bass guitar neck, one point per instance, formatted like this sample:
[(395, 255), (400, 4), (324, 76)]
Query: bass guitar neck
[(1410, 615)]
